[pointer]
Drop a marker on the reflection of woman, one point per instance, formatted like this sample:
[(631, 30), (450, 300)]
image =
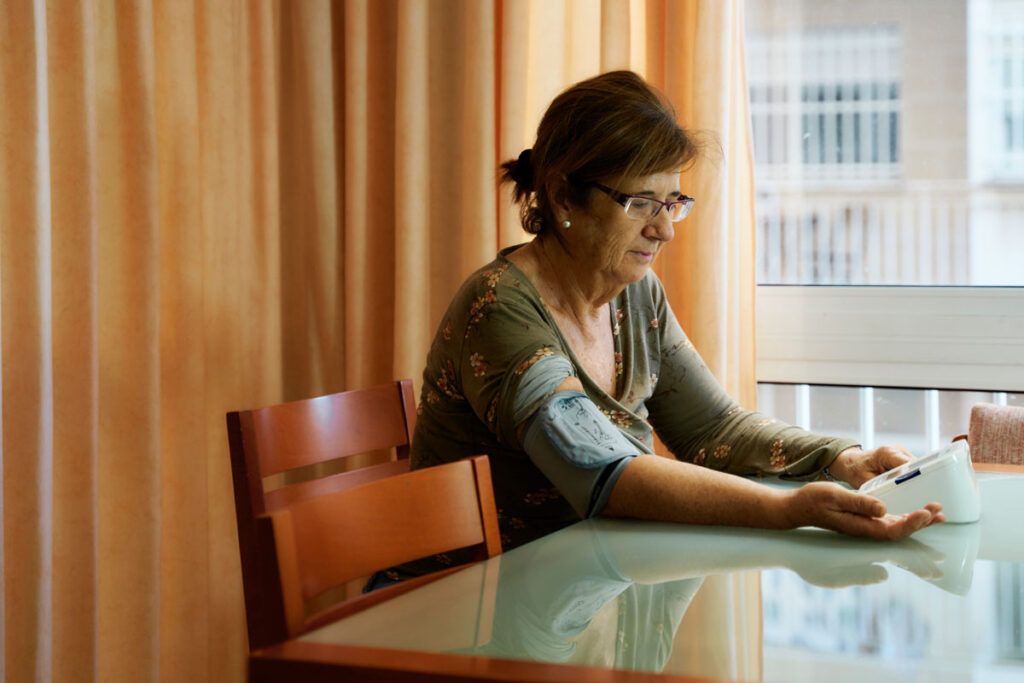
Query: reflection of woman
[(561, 357), (604, 593), (570, 600)]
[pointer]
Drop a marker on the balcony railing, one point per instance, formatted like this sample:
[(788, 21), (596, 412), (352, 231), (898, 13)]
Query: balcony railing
[(910, 234)]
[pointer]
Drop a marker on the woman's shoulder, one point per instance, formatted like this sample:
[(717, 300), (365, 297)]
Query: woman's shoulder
[(495, 294), (499, 279)]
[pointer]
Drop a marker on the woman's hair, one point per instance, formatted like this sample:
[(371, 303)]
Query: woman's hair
[(606, 128)]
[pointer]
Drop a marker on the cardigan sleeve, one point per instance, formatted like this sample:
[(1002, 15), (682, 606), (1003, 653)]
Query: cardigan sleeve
[(700, 423)]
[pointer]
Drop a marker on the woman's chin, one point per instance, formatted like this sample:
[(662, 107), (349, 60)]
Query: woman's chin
[(633, 274)]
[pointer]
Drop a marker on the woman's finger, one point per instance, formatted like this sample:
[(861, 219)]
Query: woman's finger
[(861, 504), (888, 457), (887, 527)]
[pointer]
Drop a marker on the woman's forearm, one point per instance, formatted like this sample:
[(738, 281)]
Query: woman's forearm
[(667, 490), (663, 489)]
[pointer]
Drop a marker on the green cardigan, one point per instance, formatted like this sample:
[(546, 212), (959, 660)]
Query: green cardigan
[(497, 326)]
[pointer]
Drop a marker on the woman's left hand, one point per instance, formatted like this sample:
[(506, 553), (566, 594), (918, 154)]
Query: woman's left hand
[(855, 466)]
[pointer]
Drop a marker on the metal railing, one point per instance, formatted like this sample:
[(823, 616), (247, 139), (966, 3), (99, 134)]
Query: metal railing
[(911, 234)]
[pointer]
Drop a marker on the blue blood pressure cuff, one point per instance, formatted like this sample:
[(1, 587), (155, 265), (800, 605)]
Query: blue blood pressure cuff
[(578, 449)]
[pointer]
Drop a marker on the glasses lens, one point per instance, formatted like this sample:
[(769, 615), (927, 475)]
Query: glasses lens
[(639, 208), (680, 210)]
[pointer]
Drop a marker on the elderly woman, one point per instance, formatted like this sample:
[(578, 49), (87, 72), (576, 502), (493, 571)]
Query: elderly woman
[(562, 357)]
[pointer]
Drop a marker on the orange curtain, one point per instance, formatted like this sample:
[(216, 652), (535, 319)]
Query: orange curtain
[(709, 269), (207, 206)]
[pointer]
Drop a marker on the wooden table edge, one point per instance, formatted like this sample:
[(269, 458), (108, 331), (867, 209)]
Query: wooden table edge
[(316, 662), (998, 467)]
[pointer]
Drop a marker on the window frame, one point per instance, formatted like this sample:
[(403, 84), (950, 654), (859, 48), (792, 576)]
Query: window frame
[(963, 338)]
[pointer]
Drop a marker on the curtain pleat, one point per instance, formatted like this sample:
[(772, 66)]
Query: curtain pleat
[(184, 579), (615, 34), (370, 193), (25, 262), (72, 126), (411, 189), (708, 270), (312, 301), (223, 258), (471, 151), (127, 294), (513, 126), (213, 206)]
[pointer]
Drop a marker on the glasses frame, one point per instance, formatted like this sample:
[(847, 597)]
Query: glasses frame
[(626, 200)]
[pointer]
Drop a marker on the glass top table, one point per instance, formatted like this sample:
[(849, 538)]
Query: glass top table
[(729, 604)]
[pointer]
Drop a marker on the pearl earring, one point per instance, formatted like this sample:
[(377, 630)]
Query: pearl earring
[(566, 224)]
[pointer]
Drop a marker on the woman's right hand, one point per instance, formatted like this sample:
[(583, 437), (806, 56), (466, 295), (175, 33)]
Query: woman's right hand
[(834, 507)]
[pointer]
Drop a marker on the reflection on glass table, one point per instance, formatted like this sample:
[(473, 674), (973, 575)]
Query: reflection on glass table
[(891, 629), (624, 595)]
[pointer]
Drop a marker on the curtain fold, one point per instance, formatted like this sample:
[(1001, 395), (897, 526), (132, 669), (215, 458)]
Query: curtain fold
[(72, 123), (708, 270), (27, 398), (312, 304), (213, 206), (183, 580), (411, 189), (128, 304), (367, 340)]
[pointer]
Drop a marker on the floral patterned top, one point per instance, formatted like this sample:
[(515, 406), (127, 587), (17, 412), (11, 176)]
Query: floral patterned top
[(497, 326)]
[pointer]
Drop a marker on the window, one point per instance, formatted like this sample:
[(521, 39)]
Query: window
[(826, 103), (889, 165), (880, 130), (998, 85)]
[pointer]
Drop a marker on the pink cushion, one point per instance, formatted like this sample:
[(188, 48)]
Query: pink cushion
[(997, 434)]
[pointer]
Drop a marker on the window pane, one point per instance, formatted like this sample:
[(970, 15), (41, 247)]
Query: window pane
[(834, 411), (955, 411), (887, 154), (900, 418), (922, 420), (778, 401)]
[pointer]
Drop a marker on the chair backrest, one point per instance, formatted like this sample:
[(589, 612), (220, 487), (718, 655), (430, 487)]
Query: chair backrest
[(268, 441), (325, 541), (996, 434)]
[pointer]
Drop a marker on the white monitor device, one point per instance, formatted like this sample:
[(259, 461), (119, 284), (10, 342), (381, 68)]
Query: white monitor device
[(945, 476)]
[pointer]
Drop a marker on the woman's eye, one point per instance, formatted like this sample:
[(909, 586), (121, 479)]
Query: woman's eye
[(642, 204)]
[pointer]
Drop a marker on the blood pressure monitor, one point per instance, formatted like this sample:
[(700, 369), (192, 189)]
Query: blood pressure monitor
[(945, 476)]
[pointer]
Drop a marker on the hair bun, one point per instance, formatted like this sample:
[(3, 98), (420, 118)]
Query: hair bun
[(522, 172)]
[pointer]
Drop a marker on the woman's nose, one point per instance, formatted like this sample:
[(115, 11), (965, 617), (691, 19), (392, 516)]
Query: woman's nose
[(661, 227)]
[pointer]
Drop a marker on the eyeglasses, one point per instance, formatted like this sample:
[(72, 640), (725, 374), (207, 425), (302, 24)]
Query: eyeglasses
[(646, 208)]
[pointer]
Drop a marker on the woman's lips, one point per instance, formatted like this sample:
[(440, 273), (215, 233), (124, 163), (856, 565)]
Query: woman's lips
[(643, 255)]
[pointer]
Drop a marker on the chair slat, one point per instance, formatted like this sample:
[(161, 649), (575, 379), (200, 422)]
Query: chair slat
[(289, 495), (343, 536), (302, 433), (266, 441)]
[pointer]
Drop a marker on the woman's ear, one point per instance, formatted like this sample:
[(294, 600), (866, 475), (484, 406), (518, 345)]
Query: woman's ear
[(559, 194)]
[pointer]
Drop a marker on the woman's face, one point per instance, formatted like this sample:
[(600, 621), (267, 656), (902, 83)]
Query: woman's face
[(620, 247)]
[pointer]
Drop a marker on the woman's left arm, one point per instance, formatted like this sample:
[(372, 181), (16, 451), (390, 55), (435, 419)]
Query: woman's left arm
[(702, 424)]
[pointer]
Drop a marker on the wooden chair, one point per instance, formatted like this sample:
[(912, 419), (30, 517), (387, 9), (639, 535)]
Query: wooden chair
[(282, 438), (326, 541), (996, 435)]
